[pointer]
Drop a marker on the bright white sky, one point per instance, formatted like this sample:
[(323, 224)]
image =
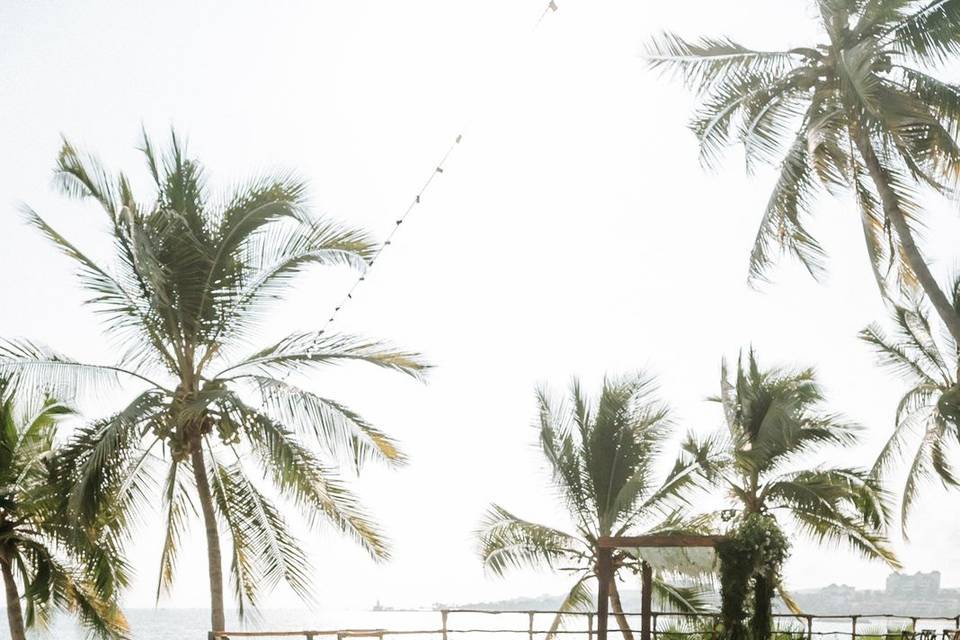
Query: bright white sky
[(573, 233)]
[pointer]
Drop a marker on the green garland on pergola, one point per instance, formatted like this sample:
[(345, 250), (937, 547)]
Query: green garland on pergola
[(751, 557)]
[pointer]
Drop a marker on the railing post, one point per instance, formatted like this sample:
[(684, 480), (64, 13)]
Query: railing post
[(590, 626), (653, 626), (530, 625), (853, 634), (713, 627), (211, 635), (443, 619), (809, 627)]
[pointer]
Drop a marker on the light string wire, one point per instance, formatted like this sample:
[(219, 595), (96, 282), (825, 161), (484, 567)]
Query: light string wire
[(438, 169), (393, 231)]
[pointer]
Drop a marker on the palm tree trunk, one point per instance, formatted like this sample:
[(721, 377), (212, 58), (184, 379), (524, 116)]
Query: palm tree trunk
[(893, 213), (14, 612), (617, 607), (214, 564)]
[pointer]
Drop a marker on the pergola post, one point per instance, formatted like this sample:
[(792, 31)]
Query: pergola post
[(604, 576), (646, 585)]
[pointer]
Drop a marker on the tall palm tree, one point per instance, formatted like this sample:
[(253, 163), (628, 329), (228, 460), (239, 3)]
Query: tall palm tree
[(776, 425), (192, 279), (603, 460), (930, 409), (860, 110), (45, 561)]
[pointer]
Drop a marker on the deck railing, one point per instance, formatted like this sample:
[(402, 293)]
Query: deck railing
[(681, 629)]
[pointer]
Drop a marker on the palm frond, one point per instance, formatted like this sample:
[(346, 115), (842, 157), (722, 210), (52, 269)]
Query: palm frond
[(745, 102), (680, 598), (930, 35), (859, 84), (79, 175), (579, 598), (243, 565), (782, 225), (103, 460), (125, 311), (837, 505), (300, 351), (343, 432), (626, 435), (54, 582), (830, 529), (698, 460), (769, 116), (705, 62), (942, 98), (283, 250), (877, 16), (314, 487), (565, 460), (894, 355), (177, 507), (508, 542), (34, 366), (253, 208), (265, 553), (882, 246), (929, 461), (924, 146)]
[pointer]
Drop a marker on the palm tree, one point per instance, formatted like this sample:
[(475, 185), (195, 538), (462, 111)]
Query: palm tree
[(930, 409), (192, 279), (859, 111), (46, 562), (603, 461), (776, 425)]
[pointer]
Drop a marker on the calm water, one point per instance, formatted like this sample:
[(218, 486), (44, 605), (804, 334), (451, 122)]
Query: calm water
[(187, 624)]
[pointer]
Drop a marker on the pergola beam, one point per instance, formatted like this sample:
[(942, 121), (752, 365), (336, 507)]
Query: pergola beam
[(628, 542)]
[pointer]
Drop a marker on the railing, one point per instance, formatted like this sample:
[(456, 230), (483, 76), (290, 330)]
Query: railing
[(948, 626)]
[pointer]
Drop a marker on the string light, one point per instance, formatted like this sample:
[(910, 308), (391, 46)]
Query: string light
[(438, 170)]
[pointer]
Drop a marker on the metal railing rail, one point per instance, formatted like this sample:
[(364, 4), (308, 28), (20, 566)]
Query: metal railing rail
[(531, 631)]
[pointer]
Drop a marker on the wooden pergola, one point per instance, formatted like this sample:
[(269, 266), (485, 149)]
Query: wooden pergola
[(605, 573)]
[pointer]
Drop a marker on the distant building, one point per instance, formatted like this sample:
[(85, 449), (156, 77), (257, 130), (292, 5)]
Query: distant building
[(919, 595), (918, 585)]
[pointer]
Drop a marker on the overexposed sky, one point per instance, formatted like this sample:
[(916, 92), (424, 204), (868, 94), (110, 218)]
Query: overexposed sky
[(573, 233)]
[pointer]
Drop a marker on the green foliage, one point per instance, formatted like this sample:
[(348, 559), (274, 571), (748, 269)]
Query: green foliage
[(191, 280), (57, 564), (751, 556)]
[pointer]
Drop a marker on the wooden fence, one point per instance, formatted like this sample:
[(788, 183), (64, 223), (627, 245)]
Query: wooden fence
[(911, 628)]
